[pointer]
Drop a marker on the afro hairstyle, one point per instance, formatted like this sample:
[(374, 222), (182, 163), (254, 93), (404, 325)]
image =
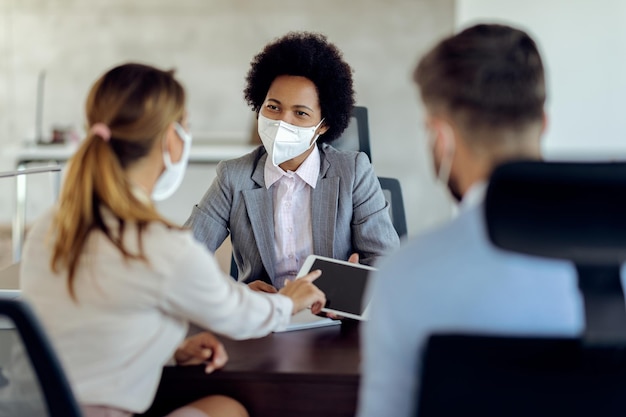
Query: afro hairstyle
[(308, 55)]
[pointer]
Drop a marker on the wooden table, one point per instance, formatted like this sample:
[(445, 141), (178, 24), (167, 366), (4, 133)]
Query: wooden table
[(303, 373)]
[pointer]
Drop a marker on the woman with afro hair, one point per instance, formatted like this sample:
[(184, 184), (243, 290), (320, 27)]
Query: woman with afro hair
[(296, 195)]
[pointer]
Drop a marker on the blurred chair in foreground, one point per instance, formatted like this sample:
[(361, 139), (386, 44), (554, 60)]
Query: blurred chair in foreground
[(570, 211), (32, 382)]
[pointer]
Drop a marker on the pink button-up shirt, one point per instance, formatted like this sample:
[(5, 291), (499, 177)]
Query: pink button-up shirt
[(293, 233)]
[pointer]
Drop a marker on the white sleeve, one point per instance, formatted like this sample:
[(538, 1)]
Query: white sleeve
[(201, 293)]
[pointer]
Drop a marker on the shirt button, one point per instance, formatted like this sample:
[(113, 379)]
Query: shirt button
[(291, 256), (289, 229)]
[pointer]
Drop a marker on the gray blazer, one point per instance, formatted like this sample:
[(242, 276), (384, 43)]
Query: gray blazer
[(348, 212)]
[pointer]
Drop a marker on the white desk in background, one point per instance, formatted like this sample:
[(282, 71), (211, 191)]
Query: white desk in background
[(201, 154)]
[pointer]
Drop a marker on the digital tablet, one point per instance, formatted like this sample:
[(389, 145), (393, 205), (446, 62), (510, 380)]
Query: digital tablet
[(344, 284)]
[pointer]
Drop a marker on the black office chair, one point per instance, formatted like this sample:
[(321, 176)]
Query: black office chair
[(32, 382), (393, 195), (356, 137), (571, 211)]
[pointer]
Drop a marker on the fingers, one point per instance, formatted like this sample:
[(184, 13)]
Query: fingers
[(316, 307), (354, 258), (219, 359), (204, 353), (334, 316), (304, 293), (311, 276), (193, 354), (262, 287), (202, 348), (316, 299)]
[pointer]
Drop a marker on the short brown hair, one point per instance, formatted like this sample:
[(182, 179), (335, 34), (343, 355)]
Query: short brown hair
[(486, 77)]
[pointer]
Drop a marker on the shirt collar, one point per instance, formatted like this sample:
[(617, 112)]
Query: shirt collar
[(308, 171), (474, 196), (141, 194)]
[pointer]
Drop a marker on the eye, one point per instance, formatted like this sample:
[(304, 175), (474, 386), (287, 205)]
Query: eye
[(301, 113), (272, 107)]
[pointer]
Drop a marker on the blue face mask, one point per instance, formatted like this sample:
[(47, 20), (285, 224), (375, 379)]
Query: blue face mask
[(284, 141), (172, 177)]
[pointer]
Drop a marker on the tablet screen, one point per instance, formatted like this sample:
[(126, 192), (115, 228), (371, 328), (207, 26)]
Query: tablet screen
[(344, 285)]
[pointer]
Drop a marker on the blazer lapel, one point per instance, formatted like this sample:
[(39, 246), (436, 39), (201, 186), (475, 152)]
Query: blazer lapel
[(324, 198), (260, 209)]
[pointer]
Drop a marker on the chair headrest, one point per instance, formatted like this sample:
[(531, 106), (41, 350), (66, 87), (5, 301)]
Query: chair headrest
[(566, 210)]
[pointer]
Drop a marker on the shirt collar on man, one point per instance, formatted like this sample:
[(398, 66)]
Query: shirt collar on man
[(474, 196), (308, 171)]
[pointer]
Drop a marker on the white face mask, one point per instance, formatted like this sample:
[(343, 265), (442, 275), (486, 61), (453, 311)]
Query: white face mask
[(283, 141), (172, 177)]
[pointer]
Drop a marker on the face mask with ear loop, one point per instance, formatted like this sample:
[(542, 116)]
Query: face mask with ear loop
[(172, 177), (445, 165), (284, 141)]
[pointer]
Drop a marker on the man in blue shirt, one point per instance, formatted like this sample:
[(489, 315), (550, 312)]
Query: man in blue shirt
[(484, 94)]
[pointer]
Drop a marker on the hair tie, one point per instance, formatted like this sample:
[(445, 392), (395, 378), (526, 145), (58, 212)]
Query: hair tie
[(101, 130)]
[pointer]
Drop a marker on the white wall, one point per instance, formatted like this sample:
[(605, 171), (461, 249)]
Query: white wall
[(584, 49), (211, 43)]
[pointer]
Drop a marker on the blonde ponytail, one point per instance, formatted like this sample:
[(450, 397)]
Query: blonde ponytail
[(96, 177)]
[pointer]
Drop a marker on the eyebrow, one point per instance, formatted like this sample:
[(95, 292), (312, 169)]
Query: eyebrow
[(297, 106)]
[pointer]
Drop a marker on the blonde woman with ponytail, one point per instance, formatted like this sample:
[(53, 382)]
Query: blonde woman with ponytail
[(114, 283)]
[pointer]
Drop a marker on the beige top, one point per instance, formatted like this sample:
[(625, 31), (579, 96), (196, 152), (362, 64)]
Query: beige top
[(131, 316)]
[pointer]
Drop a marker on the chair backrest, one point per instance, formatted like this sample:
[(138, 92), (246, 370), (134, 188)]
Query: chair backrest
[(32, 382), (234, 272), (571, 211), (518, 377), (356, 137), (393, 194)]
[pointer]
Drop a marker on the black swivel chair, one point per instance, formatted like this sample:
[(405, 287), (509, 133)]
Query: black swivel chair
[(393, 194), (40, 388), (356, 137), (571, 211)]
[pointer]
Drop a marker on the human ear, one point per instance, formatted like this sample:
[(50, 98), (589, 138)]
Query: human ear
[(322, 129), (173, 144), (443, 138)]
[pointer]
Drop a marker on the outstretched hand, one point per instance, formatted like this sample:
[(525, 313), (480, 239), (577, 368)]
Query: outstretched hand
[(304, 293)]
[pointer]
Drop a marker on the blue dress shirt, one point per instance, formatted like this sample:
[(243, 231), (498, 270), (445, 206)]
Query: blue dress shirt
[(454, 280)]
